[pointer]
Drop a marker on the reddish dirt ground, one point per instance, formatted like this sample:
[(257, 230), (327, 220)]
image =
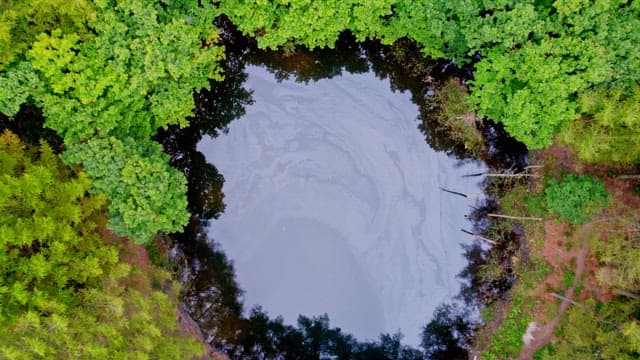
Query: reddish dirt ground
[(544, 333), (562, 158), (575, 257)]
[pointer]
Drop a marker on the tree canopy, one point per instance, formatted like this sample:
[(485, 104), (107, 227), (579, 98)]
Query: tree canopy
[(108, 91), (537, 57), (113, 72), (108, 74), (64, 291)]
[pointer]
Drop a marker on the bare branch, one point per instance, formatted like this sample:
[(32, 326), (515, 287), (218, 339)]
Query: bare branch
[(629, 177), (480, 237), (516, 217), (627, 294), (564, 298)]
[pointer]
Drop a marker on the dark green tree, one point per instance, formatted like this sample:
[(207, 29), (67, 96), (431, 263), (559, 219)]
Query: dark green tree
[(448, 334)]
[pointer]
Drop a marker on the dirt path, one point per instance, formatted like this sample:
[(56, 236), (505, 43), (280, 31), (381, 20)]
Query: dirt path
[(543, 334)]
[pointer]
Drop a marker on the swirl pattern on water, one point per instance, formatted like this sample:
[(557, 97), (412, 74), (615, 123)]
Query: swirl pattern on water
[(334, 205)]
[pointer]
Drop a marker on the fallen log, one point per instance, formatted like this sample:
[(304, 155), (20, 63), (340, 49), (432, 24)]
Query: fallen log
[(480, 237), (516, 217)]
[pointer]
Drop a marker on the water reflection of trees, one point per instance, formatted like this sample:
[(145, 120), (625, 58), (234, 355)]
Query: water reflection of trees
[(212, 296), (402, 64), (305, 66)]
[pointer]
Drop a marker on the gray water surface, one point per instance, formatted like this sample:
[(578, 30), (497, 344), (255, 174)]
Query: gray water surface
[(334, 205)]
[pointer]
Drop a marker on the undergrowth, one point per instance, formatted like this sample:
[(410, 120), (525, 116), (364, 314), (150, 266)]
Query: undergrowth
[(457, 117)]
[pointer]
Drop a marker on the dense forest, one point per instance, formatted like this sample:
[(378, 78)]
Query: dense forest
[(88, 88)]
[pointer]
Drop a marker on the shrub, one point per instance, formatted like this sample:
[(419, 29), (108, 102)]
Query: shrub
[(576, 198)]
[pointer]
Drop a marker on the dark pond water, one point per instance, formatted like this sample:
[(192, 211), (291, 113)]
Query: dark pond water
[(335, 204), (331, 204)]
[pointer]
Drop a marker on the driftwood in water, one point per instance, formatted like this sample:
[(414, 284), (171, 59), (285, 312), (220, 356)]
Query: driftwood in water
[(472, 175), (480, 237), (516, 217), (453, 192)]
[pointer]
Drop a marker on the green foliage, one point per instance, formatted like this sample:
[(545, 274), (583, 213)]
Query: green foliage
[(110, 91), (619, 257), (603, 331), (16, 88), (576, 198), (158, 251), (305, 22), (492, 269), (519, 200), (431, 24), (113, 322), (530, 80), (527, 91), (610, 129), (136, 75), (147, 195), (618, 254), (22, 21), (47, 243), (507, 340), (568, 279), (64, 293), (457, 117), (544, 352), (537, 57)]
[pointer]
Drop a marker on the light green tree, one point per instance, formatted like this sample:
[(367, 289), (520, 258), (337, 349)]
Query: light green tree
[(64, 292), (597, 330), (21, 21), (530, 79), (136, 72), (304, 22), (609, 130)]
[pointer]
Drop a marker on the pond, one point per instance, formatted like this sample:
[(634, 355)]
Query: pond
[(336, 204), (321, 182)]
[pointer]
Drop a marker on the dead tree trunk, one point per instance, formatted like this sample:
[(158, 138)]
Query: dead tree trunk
[(564, 298), (492, 242), (516, 217), (629, 177)]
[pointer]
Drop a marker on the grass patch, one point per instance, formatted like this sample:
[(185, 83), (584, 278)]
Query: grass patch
[(520, 201), (569, 276), (507, 340), (544, 352), (535, 272), (488, 313)]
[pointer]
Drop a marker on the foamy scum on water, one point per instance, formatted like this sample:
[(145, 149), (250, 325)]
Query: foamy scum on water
[(334, 205)]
